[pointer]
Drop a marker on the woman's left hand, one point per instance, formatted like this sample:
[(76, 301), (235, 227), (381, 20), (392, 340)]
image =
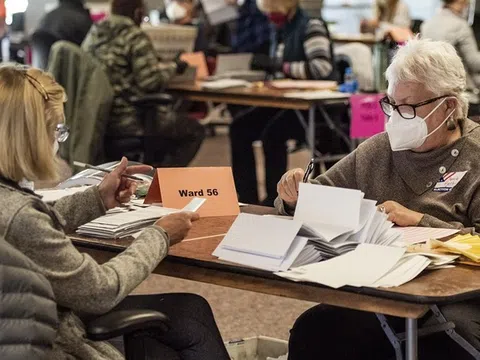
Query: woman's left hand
[(400, 215), (116, 189)]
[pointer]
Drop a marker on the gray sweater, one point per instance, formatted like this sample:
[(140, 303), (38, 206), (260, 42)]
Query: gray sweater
[(409, 178), (80, 284), (453, 29)]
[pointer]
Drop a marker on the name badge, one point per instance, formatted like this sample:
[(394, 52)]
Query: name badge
[(176, 187), (449, 181)]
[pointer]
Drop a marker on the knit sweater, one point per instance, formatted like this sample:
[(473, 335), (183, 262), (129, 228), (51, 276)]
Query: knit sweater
[(409, 178), (81, 286)]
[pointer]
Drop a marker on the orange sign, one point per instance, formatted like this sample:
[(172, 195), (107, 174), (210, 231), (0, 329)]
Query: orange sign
[(197, 60), (176, 187)]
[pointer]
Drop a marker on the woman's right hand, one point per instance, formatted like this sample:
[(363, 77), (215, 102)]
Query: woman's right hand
[(177, 225), (288, 187)]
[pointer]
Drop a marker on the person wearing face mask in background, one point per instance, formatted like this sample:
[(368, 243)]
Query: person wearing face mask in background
[(429, 140), (450, 24), (188, 13), (301, 49), (131, 63)]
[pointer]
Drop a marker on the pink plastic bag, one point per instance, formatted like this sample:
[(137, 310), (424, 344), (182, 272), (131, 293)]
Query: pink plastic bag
[(368, 118)]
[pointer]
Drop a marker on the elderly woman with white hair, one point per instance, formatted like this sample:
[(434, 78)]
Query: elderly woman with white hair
[(428, 140)]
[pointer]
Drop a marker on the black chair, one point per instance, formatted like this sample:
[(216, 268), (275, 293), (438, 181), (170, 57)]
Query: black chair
[(139, 148), (133, 325), (41, 42)]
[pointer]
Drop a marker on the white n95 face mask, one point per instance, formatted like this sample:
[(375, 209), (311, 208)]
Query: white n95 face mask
[(175, 11), (410, 134)]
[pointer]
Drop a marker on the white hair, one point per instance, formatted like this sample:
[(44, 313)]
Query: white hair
[(434, 64)]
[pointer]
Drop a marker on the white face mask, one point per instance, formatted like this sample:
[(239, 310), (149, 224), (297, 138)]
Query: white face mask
[(175, 11), (410, 134)]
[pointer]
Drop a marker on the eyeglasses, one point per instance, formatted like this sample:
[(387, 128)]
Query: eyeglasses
[(62, 132), (37, 85), (406, 111)]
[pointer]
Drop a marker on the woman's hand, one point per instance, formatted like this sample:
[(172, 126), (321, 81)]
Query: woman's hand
[(400, 215), (116, 189), (178, 225), (288, 185)]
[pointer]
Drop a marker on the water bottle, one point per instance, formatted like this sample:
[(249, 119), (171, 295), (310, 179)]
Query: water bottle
[(350, 84)]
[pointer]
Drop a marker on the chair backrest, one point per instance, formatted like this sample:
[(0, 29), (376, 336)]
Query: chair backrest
[(90, 98), (41, 42), (28, 311)]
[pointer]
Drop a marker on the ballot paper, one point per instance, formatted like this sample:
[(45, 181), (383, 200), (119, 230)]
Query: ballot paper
[(52, 195), (417, 235), (127, 223), (317, 95), (224, 84), (316, 232), (363, 266)]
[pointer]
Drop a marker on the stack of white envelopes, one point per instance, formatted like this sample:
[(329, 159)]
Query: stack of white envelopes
[(328, 222), (120, 225)]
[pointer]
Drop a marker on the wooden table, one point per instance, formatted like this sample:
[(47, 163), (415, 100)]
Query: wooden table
[(267, 97), (367, 39), (192, 260)]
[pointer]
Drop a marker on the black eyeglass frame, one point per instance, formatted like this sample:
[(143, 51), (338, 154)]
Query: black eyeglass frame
[(386, 101)]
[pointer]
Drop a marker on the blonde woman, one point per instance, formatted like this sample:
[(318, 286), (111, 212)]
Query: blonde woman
[(31, 126), (387, 13)]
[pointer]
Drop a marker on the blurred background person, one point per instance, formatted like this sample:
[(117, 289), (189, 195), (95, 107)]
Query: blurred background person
[(302, 50), (252, 32), (450, 25), (131, 63), (387, 13), (70, 21)]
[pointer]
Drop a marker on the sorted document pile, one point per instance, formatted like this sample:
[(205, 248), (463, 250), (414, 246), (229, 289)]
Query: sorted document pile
[(123, 224), (328, 222)]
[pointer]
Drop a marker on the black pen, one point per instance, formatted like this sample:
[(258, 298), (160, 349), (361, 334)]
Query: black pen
[(309, 170)]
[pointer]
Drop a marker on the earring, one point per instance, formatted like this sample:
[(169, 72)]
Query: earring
[(451, 124)]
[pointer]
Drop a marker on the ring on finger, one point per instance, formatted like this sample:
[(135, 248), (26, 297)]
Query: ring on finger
[(382, 209)]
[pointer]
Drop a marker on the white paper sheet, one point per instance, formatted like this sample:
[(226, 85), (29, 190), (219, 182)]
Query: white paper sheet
[(363, 266), (336, 210), (52, 195), (260, 235), (416, 235), (263, 262), (317, 95), (224, 84)]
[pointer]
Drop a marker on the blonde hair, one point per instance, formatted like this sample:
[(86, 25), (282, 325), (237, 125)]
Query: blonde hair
[(434, 64), (283, 6), (31, 104)]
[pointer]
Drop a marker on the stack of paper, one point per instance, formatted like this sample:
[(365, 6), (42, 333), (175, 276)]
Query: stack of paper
[(417, 235), (224, 84), (120, 225), (317, 231), (347, 221), (368, 265), (52, 195)]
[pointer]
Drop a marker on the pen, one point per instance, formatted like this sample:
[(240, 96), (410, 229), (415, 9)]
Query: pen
[(309, 170), (88, 166)]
